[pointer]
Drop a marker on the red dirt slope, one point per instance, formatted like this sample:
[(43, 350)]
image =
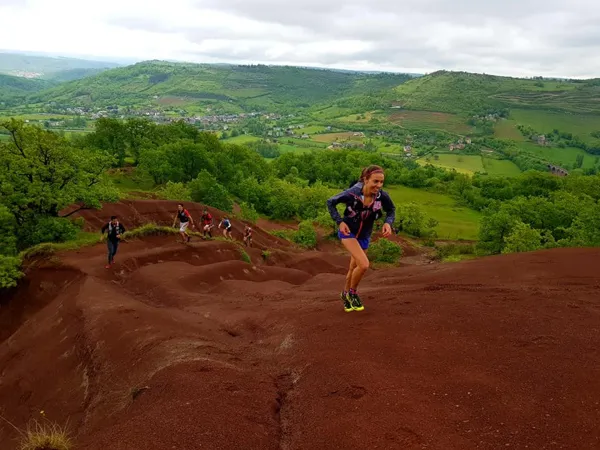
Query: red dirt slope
[(185, 347), (134, 213)]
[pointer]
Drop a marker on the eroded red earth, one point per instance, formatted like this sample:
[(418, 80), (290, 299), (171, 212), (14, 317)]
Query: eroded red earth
[(188, 347)]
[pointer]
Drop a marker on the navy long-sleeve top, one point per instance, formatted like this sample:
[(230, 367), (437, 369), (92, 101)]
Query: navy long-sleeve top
[(357, 216)]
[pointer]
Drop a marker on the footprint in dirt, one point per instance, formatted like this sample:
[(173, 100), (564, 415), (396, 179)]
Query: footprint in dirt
[(353, 392)]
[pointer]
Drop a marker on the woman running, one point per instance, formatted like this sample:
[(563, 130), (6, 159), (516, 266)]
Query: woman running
[(364, 202)]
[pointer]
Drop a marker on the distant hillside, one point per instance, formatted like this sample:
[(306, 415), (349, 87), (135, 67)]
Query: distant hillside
[(31, 66), (11, 86), (230, 87), (461, 92)]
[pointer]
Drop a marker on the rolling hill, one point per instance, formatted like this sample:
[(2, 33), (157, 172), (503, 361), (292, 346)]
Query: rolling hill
[(231, 87), (33, 66), (465, 93), (11, 86)]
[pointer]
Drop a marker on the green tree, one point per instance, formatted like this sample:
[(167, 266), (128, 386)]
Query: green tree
[(110, 135), (10, 271), (205, 189), (306, 236), (42, 173), (138, 133), (8, 237), (175, 191), (522, 238)]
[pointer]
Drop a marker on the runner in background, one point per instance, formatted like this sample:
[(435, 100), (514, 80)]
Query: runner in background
[(248, 236), (226, 225), (115, 230), (185, 219), (207, 223)]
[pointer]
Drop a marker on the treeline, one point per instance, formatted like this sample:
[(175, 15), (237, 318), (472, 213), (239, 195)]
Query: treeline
[(45, 172)]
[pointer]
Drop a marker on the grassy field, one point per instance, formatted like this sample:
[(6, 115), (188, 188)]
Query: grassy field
[(242, 139), (500, 167), (468, 164), (312, 129), (331, 137), (507, 129), (357, 118), (545, 121), (430, 120), (560, 156), (455, 222)]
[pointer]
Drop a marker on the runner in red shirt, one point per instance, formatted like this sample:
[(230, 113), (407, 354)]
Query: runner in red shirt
[(207, 223)]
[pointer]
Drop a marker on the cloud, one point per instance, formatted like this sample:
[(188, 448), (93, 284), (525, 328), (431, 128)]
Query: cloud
[(512, 37)]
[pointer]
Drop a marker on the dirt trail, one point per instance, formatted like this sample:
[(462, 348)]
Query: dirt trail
[(188, 347)]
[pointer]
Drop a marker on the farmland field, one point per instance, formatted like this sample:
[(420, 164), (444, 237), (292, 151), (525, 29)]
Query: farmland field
[(500, 167), (545, 121), (431, 121), (455, 222), (357, 118), (468, 164), (242, 139), (507, 129), (311, 129), (560, 156), (331, 137)]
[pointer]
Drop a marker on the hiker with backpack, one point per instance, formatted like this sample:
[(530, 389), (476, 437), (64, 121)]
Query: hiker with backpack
[(115, 230)]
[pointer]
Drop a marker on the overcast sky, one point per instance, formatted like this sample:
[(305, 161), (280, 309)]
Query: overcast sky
[(505, 37)]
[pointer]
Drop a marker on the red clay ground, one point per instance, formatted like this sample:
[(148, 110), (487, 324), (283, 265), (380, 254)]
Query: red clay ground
[(188, 347)]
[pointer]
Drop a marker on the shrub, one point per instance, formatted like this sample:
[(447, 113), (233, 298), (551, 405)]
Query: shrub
[(245, 257), (205, 189), (46, 229), (10, 271), (448, 251), (523, 238), (248, 213), (175, 191), (306, 236), (385, 251), (8, 239)]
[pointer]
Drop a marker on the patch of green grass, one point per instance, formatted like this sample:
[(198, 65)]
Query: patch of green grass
[(245, 257), (500, 167), (312, 129), (507, 129), (242, 139), (455, 222), (468, 164), (431, 120), (545, 121), (83, 239), (556, 155), (127, 180)]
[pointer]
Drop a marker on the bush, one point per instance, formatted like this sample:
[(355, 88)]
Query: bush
[(306, 236), (450, 250), (385, 251), (8, 239), (205, 189), (248, 213), (245, 257), (46, 229), (523, 238), (175, 191), (10, 271)]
